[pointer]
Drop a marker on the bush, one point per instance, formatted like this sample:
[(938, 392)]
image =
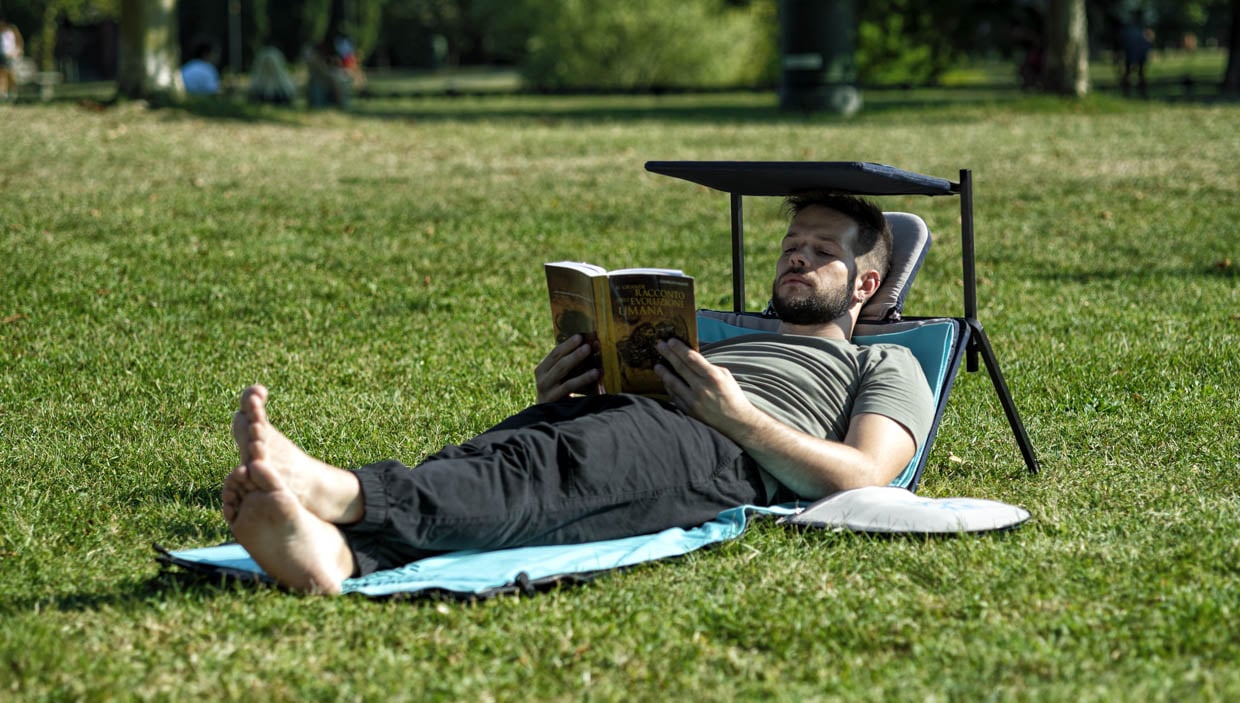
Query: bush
[(643, 44), (886, 55)]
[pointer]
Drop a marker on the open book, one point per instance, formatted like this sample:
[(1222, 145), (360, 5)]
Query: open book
[(623, 313)]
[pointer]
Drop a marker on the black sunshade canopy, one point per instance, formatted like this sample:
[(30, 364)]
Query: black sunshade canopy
[(786, 177)]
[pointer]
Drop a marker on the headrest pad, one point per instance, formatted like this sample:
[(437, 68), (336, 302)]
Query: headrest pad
[(910, 240)]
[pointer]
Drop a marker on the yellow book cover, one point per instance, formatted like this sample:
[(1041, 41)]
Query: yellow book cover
[(623, 313)]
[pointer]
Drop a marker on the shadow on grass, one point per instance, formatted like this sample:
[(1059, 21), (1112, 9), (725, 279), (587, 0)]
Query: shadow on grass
[(225, 109), (707, 107), (236, 110), (160, 588), (929, 105)]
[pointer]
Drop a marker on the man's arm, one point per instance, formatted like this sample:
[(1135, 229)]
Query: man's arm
[(874, 452)]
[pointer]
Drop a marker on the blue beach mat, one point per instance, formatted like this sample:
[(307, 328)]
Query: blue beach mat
[(481, 574), (475, 574)]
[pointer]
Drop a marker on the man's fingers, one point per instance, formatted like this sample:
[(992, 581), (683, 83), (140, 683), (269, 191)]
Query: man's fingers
[(560, 361), (680, 357), (557, 353), (584, 382), (677, 389), (576, 383), (552, 376), (566, 364)]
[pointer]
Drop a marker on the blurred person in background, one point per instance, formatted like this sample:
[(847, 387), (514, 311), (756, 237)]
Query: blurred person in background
[(10, 56), (269, 79), (199, 74), (1136, 42)]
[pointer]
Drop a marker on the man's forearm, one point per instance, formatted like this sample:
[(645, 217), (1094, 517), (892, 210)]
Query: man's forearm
[(810, 466)]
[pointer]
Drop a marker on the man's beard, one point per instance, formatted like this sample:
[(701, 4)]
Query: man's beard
[(814, 308)]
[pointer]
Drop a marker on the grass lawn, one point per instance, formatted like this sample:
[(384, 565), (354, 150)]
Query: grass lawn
[(381, 272)]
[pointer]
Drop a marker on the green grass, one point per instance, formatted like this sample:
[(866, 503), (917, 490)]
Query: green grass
[(381, 272)]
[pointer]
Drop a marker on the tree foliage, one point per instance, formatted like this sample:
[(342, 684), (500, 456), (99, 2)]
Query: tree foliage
[(914, 41), (642, 44)]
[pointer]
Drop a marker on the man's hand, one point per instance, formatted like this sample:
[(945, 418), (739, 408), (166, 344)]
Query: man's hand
[(703, 390), (551, 378)]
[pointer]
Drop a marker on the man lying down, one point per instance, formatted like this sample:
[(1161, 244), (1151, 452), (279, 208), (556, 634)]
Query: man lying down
[(758, 419)]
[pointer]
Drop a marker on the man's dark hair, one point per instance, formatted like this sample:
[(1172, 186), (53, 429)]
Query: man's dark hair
[(873, 245)]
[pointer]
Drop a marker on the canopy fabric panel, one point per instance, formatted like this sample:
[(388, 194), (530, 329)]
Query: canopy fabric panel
[(782, 178)]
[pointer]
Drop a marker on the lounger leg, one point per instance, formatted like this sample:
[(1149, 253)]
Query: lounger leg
[(980, 343)]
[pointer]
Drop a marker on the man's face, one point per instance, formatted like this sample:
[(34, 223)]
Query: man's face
[(817, 273)]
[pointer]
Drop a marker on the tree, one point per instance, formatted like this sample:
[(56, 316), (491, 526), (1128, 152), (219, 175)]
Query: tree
[(149, 51), (1231, 77), (1067, 48)]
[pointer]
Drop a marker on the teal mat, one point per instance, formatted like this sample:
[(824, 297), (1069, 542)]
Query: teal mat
[(480, 574)]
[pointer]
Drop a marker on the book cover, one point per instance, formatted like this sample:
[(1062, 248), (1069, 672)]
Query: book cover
[(623, 313)]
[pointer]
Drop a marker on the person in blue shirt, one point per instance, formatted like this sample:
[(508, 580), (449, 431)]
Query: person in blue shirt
[(199, 73)]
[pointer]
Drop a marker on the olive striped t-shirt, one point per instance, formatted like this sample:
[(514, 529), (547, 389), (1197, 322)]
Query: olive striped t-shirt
[(817, 385)]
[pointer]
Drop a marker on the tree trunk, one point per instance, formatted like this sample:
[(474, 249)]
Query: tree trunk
[(1067, 48), (47, 52), (1231, 77), (149, 51)]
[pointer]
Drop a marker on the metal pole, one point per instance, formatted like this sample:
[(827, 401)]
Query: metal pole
[(967, 258), (738, 254), (1005, 397)]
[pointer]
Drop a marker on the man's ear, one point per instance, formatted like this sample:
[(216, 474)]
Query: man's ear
[(867, 285)]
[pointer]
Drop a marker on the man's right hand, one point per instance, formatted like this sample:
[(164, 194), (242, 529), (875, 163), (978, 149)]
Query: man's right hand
[(551, 375)]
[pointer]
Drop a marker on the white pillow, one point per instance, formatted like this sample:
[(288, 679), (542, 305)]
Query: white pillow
[(890, 509)]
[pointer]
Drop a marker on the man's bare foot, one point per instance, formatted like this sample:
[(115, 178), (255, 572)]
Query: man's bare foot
[(297, 549), (236, 485), (329, 493)]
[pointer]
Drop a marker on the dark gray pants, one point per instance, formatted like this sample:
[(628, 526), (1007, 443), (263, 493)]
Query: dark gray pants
[(578, 470)]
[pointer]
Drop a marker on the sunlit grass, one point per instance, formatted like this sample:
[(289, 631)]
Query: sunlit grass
[(381, 272)]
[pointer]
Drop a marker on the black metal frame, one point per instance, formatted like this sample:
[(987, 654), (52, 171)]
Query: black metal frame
[(979, 343), (902, 183)]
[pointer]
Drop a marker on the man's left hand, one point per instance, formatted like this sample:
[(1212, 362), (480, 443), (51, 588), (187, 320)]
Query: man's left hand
[(703, 390)]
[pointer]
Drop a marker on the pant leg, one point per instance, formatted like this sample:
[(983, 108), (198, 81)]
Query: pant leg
[(579, 470)]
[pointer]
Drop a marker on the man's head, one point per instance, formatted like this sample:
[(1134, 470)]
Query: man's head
[(834, 256)]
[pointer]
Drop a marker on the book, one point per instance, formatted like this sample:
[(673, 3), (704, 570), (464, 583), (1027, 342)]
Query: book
[(623, 314)]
